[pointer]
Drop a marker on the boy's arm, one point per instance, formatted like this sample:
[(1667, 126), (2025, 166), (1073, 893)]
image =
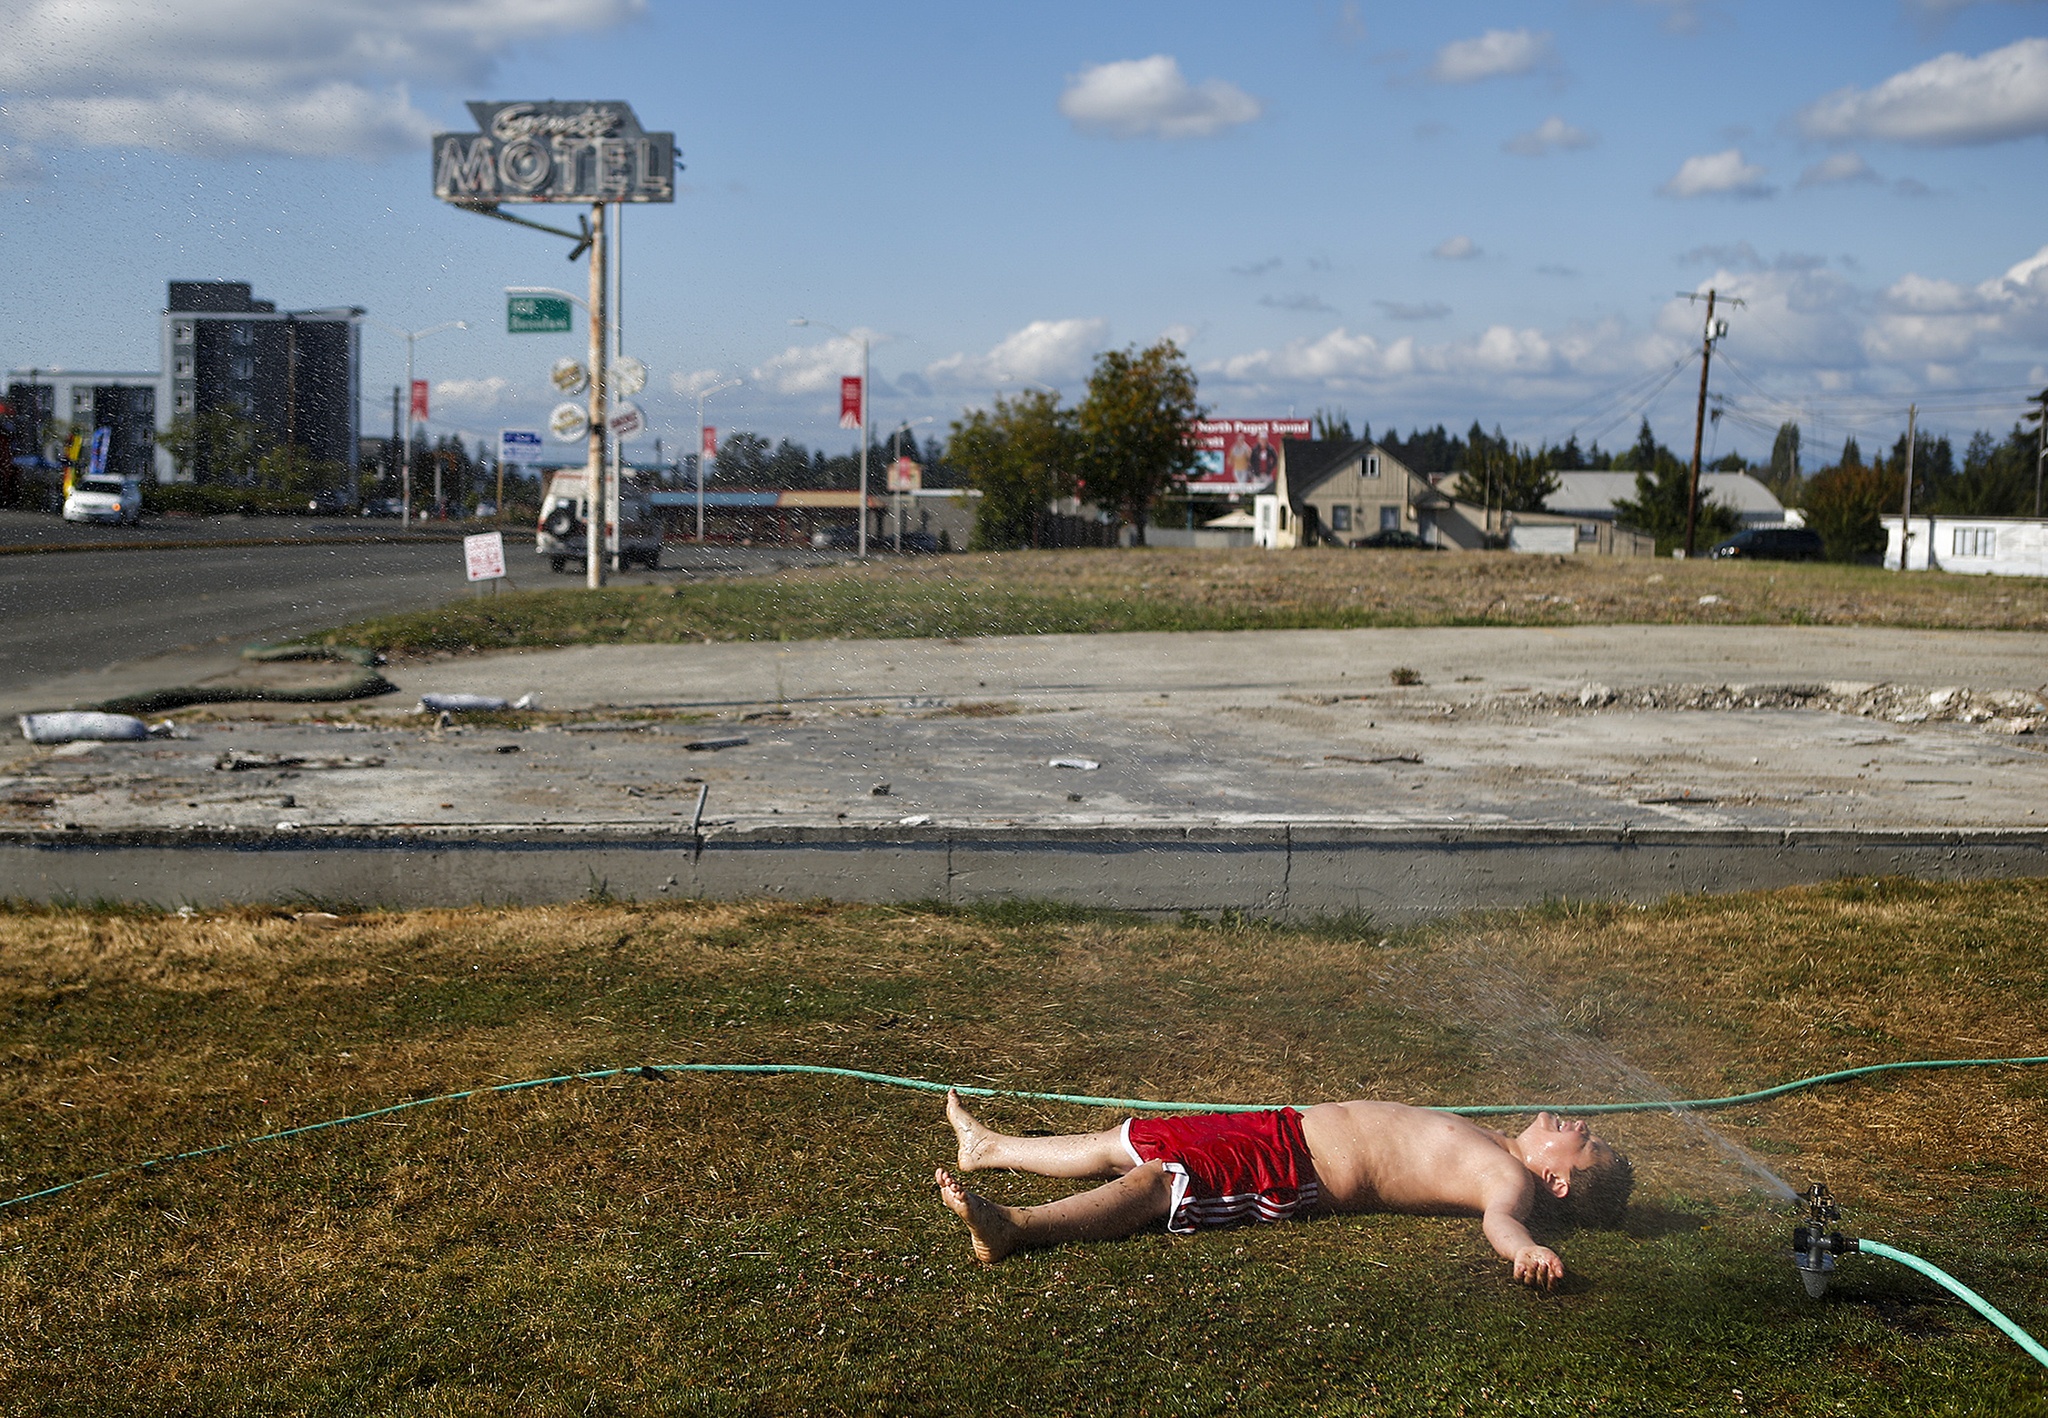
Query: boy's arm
[(1502, 1222)]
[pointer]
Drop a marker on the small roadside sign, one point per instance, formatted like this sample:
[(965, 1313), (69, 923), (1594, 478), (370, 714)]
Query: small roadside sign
[(518, 447), (568, 422), (485, 553), (536, 315), (626, 422)]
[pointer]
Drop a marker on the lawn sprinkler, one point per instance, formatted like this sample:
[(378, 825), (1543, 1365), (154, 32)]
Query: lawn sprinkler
[(1816, 1242), (1815, 1245)]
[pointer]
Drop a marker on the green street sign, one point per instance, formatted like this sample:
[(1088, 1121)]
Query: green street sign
[(536, 315)]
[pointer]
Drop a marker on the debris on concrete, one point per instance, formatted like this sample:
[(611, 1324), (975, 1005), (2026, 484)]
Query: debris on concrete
[(82, 725), (880, 790), (921, 819), (1086, 765), (473, 703), (237, 760), (1376, 758), (713, 745)]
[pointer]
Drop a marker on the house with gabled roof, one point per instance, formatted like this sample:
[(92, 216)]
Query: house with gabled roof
[(1343, 492)]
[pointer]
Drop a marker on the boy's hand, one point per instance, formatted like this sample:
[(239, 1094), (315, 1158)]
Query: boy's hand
[(1538, 1265)]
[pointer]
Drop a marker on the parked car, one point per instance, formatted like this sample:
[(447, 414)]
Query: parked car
[(328, 504), (923, 542), (1395, 537), (837, 539), (561, 535), (383, 507), (1770, 544), (105, 499)]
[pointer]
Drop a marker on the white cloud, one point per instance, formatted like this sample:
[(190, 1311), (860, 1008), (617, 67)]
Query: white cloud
[(1923, 319), (1151, 98), (1456, 248), (1041, 352), (1722, 173), (20, 168), (472, 393), (1494, 55), (810, 369), (688, 384), (1837, 169), (1950, 100), (1552, 132), (223, 77)]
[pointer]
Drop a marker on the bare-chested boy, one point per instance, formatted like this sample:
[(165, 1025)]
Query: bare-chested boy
[(1217, 1169)]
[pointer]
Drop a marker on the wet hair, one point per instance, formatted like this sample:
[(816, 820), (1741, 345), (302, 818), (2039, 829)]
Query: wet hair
[(1598, 1195)]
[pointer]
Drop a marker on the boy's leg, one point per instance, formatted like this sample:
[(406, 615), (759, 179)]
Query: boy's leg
[(1109, 1212), (1088, 1154)]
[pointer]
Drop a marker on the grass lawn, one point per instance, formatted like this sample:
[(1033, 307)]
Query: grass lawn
[(1038, 593), (721, 1246)]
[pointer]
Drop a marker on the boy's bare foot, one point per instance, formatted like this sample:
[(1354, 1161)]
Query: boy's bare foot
[(995, 1234), (973, 1137)]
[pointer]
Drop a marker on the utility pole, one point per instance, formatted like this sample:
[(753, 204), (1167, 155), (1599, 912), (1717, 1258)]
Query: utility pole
[(1699, 422), (1906, 512), (2039, 419)]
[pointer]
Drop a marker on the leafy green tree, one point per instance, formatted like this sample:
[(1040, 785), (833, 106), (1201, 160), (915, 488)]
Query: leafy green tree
[(1504, 475), (216, 446), (1021, 455), (1843, 504), (1134, 429)]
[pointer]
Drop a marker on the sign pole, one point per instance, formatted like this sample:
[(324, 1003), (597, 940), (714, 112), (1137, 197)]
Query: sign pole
[(594, 531), (616, 260)]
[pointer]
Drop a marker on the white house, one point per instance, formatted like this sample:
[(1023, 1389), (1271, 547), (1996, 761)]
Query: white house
[(1973, 546)]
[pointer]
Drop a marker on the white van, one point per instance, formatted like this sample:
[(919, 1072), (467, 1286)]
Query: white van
[(561, 535), (104, 499)]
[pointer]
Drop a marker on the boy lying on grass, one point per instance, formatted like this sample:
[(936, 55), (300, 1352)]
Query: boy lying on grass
[(1217, 1169)]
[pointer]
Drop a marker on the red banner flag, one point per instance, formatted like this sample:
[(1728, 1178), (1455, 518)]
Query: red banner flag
[(710, 441), (849, 402), (419, 398)]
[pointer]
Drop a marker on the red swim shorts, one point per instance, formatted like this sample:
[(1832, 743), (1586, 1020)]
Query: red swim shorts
[(1229, 1167)]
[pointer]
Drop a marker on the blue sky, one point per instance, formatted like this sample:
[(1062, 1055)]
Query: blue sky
[(1412, 213)]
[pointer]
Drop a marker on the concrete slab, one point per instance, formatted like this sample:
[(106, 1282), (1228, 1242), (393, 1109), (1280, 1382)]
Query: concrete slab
[(1267, 772)]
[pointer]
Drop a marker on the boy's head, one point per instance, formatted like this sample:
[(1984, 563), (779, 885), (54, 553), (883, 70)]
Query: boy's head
[(1579, 1177)]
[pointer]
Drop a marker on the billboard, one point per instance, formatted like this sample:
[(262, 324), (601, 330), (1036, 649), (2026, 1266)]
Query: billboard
[(1239, 456), (555, 152)]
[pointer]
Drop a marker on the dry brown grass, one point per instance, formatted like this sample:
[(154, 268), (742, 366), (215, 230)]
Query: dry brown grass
[(628, 1242)]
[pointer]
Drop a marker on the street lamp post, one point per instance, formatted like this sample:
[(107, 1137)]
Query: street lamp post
[(411, 337), (800, 320), (702, 395), (895, 458)]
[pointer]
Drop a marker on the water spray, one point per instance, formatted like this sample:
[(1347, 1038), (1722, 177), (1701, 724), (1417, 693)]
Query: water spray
[(1816, 1241)]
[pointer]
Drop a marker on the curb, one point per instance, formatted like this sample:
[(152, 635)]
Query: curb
[(1389, 875)]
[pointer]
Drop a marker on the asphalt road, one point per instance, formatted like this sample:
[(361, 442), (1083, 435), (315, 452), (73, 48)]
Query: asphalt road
[(67, 613)]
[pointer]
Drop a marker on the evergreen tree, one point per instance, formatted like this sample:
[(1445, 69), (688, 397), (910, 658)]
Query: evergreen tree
[(1663, 487), (1784, 477), (742, 460)]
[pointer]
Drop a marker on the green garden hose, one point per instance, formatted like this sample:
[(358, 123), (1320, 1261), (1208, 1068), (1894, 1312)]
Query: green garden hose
[(1962, 1292), (1149, 1105)]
